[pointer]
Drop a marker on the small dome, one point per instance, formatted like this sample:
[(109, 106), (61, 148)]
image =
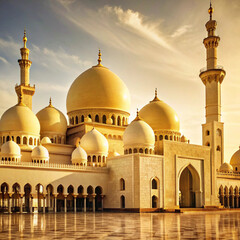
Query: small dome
[(40, 153), (20, 118), (184, 139), (52, 120), (235, 159), (45, 140), (98, 88), (94, 142), (113, 154), (226, 167), (138, 133), (10, 149), (79, 156), (160, 116)]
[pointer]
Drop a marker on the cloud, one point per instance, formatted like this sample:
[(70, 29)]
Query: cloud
[(3, 60), (181, 30)]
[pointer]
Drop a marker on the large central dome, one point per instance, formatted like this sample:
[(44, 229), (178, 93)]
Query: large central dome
[(98, 88)]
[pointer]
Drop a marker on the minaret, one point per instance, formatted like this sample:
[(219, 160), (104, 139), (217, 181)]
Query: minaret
[(24, 88), (212, 77)]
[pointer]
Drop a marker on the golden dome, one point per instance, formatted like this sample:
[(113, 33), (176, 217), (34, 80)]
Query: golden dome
[(98, 88), (138, 133), (226, 167), (93, 142), (21, 119), (46, 140), (160, 116), (40, 153), (79, 156), (52, 120), (235, 159), (10, 149)]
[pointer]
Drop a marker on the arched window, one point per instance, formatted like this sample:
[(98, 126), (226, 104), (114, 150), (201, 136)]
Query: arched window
[(82, 118), (8, 138), (104, 119), (154, 202), (18, 140), (104, 159), (30, 141), (130, 151), (207, 132), (141, 150), (170, 137), (119, 121), (174, 138), (155, 137), (72, 120), (113, 120), (76, 120), (146, 151), (122, 201), (236, 169), (126, 151), (161, 137), (3, 139), (154, 184), (219, 132), (96, 118), (99, 159), (89, 158), (35, 141), (122, 184), (94, 158), (134, 150), (25, 140), (150, 151), (218, 148), (89, 115), (208, 144), (123, 121), (166, 137)]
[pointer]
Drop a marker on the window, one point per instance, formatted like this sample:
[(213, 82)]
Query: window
[(130, 151), (218, 148), (96, 118), (141, 150), (24, 140), (161, 137), (89, 158), (122, 202), (94, 158), (154, 184), (119, 121), (134, 150), (113, 120), (207, 132), (166, 137), (82, 118), (104, 119), (99, 159), (208, 144), (30, 141), (76, 119), (122, 184), (18, 140)]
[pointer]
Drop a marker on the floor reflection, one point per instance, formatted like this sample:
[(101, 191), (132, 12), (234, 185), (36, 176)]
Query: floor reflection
[(198, 225)]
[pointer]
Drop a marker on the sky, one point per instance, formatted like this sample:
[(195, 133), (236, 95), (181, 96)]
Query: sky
[(148, 44)]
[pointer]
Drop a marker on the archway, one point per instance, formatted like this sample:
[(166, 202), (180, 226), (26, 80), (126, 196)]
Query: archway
[(15, 197), (98, 198), (154, 202), (60, 198), (27, 198), (189, 188)]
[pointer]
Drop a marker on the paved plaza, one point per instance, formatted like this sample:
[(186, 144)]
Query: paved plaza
[(189, 225)]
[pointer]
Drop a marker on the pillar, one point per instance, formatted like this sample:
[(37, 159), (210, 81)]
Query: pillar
[(85, 203), (65, 203), (30, 204), (44, 203), (10, 204), (21, 203), (94, 196), (102, 196), (232, 201), (75, 203), (237, 201), (227, 198), (55, 203)]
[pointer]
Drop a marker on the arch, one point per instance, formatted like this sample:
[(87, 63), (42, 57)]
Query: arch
[(90, 190), (161, 137), (156, 138), (146, 150), (208, 144), (151, 151), (98, 198), (104, 119), (171, 138), (80, 189), (119, 121), (154, 201), (135, 150), (30, 141), (221, 195), (99, 159), (89, 158), (104, 159), (166, 137), (16, 187), (218, 148), (18, 140), (207, 132), (94, 158), (25, 140), (123, 121), (189, 187), (82, 118), (125, 151), (140, 150), (122, 201), (174, 138), (60, 189), (8, 138), (98, 190), (113, 120), (76, 120), (122, 184), (97, 118), (154, 184), (27, 197), (130, 151)]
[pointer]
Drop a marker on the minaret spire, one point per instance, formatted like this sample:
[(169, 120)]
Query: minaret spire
[(210, 10), (24, 88)]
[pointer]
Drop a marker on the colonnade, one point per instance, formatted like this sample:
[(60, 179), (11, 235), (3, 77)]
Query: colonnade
[(229, 197)]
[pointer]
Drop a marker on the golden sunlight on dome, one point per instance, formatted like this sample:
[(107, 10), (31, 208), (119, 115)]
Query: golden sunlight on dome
[(52, 120), (235, 161), (94, 142), (98, 88), (160, 116), (20, 118), (226, 167), (46, 140), (40, 153), (10, 149), (79, 156)]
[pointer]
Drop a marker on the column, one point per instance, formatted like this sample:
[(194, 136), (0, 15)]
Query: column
[(232, 201), (85, 203), (75, 203), (10, 204), (30, 203), (93, 196), (102, 196), (44, 201), (227, 198), (65, 203), (55, 203), (21, 203), (237, 201)]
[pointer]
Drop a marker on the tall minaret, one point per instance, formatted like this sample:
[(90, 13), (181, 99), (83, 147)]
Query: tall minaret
[(212, 77), (24, 88)]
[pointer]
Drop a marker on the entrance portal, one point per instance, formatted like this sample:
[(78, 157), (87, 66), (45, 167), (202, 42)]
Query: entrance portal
[(189, 188)]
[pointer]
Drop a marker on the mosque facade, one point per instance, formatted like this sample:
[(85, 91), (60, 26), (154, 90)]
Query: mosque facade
[(98, 161)]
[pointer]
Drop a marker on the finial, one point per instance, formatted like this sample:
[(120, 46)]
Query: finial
[(137, 113), (156, 97), (25, 39), (99, 58), (155, 92), (50, 102), (210, 10), (137, 117)]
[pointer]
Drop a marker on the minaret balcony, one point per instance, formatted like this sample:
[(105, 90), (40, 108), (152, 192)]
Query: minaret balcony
[(215, 74)]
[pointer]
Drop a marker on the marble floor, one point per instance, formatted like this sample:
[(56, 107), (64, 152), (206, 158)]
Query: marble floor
[(189, 225)]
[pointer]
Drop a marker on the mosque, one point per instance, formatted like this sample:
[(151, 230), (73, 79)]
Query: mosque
[(101, 162)]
